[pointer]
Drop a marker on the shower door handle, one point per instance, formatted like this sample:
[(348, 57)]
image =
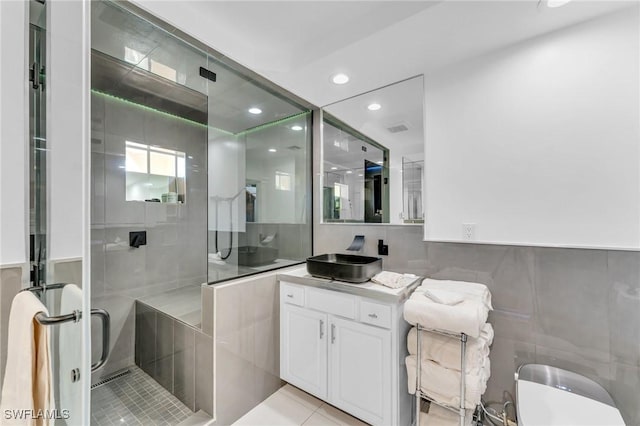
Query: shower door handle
[(106, 330)]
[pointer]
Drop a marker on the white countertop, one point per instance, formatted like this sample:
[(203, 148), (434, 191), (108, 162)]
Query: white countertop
[(366, 289)]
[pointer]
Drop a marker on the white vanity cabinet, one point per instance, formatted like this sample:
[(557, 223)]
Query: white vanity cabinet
[(347, 350)]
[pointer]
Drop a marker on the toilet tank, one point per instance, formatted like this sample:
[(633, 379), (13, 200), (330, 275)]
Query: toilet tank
[(550, 396)]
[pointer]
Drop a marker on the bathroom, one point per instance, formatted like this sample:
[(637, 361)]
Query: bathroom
[(559, 251)]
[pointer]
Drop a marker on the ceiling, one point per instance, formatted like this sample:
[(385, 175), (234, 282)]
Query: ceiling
[(401, 105), (300, 45), (144, 64)]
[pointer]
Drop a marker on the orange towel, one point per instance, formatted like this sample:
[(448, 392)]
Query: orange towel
[(27, 392)]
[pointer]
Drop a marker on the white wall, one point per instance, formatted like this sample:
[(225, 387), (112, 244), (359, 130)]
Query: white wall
[(65, 130), (226, 183), (538, 143), (14, 125), (274, 205)]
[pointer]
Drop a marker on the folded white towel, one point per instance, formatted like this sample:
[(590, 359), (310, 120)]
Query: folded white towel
[(439, 416), (467, 290), (443, 384), (28, 377), (466, 317), (446, 351), (393, 279), (443, 297)]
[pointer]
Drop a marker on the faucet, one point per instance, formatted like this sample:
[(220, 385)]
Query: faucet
[(357, 244)]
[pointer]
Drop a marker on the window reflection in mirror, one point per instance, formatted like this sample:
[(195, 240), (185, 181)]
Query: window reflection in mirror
[(395, 126)]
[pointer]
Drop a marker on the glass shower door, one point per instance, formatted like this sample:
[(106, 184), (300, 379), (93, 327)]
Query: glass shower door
[(58, 123)]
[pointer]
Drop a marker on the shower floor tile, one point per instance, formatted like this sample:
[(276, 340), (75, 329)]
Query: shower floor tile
[(135, 399)]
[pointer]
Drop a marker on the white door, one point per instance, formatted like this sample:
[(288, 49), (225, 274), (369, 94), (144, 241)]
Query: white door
[(303, 349), (360, 366)]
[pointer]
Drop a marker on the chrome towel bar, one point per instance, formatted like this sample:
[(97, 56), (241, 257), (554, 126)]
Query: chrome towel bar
[(75, 316)]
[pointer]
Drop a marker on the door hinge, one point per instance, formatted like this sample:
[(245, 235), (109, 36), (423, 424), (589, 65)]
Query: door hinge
[(36, 75)]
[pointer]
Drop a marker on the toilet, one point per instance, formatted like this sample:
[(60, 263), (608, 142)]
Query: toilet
[(550, 396)]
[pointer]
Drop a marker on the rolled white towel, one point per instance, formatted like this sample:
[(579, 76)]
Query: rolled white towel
[(439, 416), (443, 384), (393, 279), (443, 297), (465, 289), (446, 351), (467, 317)]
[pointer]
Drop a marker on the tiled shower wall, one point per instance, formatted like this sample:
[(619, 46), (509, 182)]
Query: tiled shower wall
[(177, 356), (571, 308), (10, 285), (175, 254), (246, 316)]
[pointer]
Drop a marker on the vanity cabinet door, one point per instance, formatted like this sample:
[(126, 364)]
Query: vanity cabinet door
[(360, 370), (303, 349)]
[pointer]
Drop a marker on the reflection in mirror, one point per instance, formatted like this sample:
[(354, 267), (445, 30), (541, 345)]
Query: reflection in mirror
[(412, 173), (373, 156), (355, 177)]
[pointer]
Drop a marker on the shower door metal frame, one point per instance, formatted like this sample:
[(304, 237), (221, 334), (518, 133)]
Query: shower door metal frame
[(37, 155)]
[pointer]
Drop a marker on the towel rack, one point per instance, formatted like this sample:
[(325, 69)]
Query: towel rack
[(75, 316), (461, 410)]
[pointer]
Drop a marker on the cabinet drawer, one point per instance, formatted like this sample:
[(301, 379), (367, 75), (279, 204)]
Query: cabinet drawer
[(332, 302), (291, 294), (375, 314)]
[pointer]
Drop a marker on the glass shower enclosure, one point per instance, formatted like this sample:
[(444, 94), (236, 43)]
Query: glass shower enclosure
[(200, 173)]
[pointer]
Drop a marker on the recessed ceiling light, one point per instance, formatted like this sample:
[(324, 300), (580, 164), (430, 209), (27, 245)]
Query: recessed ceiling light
[(255, 110), (557, 3), (273, 150), (349, 172), (297, 128), (340, 78), (334, 168), (360, 174), (374, 107)]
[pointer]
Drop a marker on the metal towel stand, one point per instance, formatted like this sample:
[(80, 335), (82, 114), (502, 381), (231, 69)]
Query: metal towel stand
[(461, 409), (75, 316)]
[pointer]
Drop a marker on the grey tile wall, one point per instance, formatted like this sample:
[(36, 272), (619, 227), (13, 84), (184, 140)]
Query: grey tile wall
[(204, 380), (293, 240), (247, 346), (179, 357), (573, 308), (175, 254), (66, 271), (10, 285), (184, 370)]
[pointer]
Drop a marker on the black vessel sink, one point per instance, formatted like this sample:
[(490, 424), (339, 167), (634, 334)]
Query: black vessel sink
[(344, 267)]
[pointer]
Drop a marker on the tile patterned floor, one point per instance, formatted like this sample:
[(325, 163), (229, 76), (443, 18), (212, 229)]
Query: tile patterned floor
[(290, 406), (135, 399)]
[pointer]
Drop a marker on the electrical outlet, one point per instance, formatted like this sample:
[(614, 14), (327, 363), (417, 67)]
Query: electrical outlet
[(468, 231)]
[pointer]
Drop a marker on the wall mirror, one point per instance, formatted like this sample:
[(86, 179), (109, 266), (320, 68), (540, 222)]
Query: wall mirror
[(373, 156)]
